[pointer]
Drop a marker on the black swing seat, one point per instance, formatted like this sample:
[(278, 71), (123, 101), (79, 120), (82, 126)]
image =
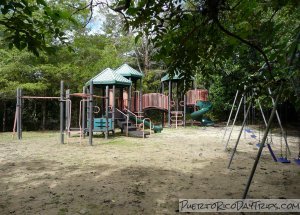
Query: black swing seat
[(283, 160)]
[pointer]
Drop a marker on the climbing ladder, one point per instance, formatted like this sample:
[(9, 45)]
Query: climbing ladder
[(177, 118)]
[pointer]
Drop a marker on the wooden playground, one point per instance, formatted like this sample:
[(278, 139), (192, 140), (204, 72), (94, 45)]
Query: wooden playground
[(118, 158), (112, 99)]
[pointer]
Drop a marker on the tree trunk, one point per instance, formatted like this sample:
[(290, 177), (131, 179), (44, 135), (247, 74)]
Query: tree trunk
[(4, 117), (146, 54)]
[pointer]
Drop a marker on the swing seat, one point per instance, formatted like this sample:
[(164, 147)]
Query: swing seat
[(258, 145), (283, 160), (253, 136), (297, 161), (248, 130)]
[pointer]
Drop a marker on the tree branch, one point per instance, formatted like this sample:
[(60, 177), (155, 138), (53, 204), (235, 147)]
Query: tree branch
[(257, 48)]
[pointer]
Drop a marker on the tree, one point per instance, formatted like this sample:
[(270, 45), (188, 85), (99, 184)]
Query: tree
[(190, 32), (37, 25)]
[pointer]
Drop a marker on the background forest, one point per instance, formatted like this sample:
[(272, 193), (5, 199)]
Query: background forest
[(224, 46)]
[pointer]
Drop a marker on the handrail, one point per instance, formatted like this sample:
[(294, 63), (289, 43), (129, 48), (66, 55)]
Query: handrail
[(136, 117), (80, 118), (144, 126), (127, 119)]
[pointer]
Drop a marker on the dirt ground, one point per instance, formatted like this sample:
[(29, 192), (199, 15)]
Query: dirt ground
[(125, 175)]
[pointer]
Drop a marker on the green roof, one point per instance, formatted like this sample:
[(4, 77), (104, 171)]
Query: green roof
[(109, 77), (127, 71)]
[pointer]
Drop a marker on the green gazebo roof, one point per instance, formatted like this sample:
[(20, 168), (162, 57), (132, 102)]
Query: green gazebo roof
[(109, 77), (127, 71)]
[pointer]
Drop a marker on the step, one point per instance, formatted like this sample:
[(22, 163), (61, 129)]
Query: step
[(179, 121), (174, 118), (130, 128), (138, 134), (122, 124), (176, 112)]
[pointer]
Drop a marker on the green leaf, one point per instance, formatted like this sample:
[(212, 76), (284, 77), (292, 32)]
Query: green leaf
[(41, 2)]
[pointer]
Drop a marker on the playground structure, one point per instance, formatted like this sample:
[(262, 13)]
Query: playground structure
[(114, 98)]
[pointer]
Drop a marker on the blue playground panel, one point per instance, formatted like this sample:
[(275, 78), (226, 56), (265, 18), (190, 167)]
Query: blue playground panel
[(100, 124)]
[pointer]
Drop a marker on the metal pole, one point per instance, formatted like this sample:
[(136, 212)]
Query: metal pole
[(279, 122), (83, 112), (229, 118), (106, 110), (240, 134), (262, 113), (269, 146), (236, 114), (113, 108), (262, 143), (169, 104), (91, 114), (62, 112)]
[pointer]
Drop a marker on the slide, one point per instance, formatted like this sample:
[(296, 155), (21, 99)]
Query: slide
[(204, 106), (156, 129)]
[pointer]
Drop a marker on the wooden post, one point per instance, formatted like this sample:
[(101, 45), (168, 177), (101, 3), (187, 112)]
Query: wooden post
[(68, 115), (135, 98), (177, 98), (62, 112), (245, 108), (141, 96), (113, 108), (163, 104), (122, 99), (4, 117), (18, 115), (106, 110), (129, 95), (169, 103), (184, 110), (91, 114), (83, 112)]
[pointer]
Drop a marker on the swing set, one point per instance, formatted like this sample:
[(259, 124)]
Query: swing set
[(284, 150)]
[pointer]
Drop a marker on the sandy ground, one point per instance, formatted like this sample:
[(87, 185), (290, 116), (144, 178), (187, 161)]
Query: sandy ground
[(135, 176)]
